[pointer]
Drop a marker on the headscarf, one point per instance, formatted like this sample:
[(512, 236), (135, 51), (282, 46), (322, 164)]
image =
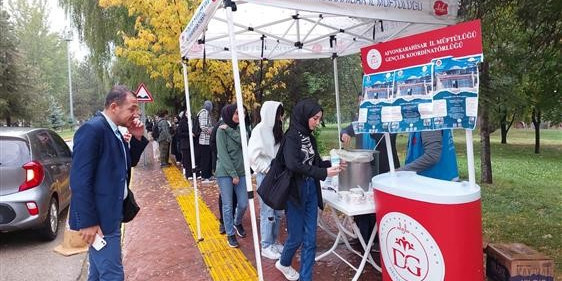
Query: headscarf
[(226, 113), (208, 105), (304, 110)]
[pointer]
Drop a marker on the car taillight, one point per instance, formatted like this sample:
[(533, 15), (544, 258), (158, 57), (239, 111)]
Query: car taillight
[(33, 175), (32, 208)]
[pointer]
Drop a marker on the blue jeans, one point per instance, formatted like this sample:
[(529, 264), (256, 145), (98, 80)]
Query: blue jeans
[(270, 220), (106, 264), (227, 189), (301, 227)]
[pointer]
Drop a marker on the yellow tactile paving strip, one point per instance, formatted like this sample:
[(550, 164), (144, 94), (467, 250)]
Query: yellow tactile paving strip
[(224, 263)]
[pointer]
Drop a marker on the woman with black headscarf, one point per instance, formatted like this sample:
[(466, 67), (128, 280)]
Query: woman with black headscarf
[(302, 158), (183, 134), (230, 174)]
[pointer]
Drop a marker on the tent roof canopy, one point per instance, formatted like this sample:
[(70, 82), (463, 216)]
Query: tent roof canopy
[(306, 29)]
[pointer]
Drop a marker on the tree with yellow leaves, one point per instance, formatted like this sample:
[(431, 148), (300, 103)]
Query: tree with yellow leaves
[(154, 45)]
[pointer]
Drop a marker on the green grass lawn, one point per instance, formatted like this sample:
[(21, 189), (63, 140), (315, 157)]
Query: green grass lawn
[(66, 134), (524, 204)]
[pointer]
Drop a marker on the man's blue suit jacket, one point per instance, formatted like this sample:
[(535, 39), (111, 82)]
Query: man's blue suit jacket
[(98, 175)]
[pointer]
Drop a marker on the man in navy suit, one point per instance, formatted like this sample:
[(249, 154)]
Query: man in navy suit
[(99, 179)]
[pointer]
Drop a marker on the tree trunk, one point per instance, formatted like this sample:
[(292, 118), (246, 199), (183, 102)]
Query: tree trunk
[(536, 118), (256, 117), (503, 128), (505, 125), (9, 121), (485, 130), (485, 154)]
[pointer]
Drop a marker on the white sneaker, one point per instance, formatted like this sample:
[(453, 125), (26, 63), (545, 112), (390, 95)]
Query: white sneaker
[(278, 247), (289, 272), (270, 253)]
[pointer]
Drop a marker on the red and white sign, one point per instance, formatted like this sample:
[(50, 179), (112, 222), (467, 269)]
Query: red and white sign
[(409, 251), (459, 40), (429, 229), (143, 95)]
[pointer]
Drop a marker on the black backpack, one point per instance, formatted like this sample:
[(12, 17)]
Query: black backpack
[(196, 126), (156, 131), (213, 138)]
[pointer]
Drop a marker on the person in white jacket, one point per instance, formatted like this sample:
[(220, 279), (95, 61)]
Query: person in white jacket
[(263, 145)]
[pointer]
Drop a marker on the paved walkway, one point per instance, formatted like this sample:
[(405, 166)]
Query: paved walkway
[(160, 244)]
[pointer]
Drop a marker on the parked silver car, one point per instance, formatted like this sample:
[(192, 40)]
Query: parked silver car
[(34, 180)]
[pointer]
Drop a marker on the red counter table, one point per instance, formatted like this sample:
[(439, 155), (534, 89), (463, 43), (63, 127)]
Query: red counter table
[(429, 229)]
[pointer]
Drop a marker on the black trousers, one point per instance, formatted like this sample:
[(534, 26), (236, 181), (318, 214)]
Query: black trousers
[(186, 162), (204, 159), (366, 223)]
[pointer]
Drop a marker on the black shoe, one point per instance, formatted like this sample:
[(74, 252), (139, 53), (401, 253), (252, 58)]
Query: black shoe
[(232, 241), (221, 229), (240, 230)]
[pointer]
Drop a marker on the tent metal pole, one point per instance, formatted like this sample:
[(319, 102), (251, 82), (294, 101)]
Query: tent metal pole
[(244, 141), (336, 86), (192, 152), (389, 153), (470, 158)]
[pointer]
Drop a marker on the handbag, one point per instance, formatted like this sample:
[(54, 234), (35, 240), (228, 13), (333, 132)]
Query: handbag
[(274, 189), (130, 207)]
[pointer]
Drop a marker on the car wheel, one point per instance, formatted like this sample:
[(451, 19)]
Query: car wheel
[(50, 226)]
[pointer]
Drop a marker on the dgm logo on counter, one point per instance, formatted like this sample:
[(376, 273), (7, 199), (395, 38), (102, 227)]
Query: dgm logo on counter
[(408, 250)]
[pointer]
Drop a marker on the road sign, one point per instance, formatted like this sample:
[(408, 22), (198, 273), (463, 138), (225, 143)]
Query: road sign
[(143, 95)]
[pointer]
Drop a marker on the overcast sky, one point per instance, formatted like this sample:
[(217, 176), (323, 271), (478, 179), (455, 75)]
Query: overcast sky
[(58, 21)]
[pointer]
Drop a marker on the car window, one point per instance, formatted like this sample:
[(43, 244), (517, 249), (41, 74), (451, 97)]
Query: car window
[(45, 146), (13, 152), (60, 145)]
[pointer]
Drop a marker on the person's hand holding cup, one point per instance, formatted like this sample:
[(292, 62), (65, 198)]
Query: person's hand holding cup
[(333, 171)]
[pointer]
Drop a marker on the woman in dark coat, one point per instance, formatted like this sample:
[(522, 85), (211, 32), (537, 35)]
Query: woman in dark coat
[(183, 135), (302, 158)]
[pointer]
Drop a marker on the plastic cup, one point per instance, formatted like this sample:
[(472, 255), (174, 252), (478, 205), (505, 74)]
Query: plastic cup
[(335, 160)]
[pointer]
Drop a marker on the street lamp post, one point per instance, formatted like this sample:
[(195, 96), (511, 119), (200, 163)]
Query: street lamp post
[(68, 38)]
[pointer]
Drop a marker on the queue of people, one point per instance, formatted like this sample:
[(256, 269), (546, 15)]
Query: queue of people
[(173, 136), (429, 153), (299, 149)]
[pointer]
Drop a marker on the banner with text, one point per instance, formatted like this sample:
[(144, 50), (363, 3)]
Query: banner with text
[(420, 88)]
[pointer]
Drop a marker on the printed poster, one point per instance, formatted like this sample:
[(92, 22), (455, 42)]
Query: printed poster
[(427, 81)]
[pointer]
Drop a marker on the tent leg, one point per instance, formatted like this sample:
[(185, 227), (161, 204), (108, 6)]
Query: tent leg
[(389, 152), (192, 153), (243, 134), (337, 89), (470, 158)]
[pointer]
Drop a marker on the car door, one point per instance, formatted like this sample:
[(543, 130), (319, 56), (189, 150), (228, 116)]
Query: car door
[(64, 160), (44, 151)]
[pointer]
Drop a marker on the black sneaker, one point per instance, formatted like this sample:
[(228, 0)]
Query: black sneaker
[(232, 241), (221, 229), (240, 230)]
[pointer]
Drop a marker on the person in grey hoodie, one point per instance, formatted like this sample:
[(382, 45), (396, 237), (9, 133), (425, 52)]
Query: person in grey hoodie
[(262, 147), (204, 153), (164, 138)]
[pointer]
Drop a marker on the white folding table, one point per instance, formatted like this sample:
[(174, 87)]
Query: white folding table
[(349, 210)]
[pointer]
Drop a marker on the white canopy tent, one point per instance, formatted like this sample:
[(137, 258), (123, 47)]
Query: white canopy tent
[(298, 29)]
